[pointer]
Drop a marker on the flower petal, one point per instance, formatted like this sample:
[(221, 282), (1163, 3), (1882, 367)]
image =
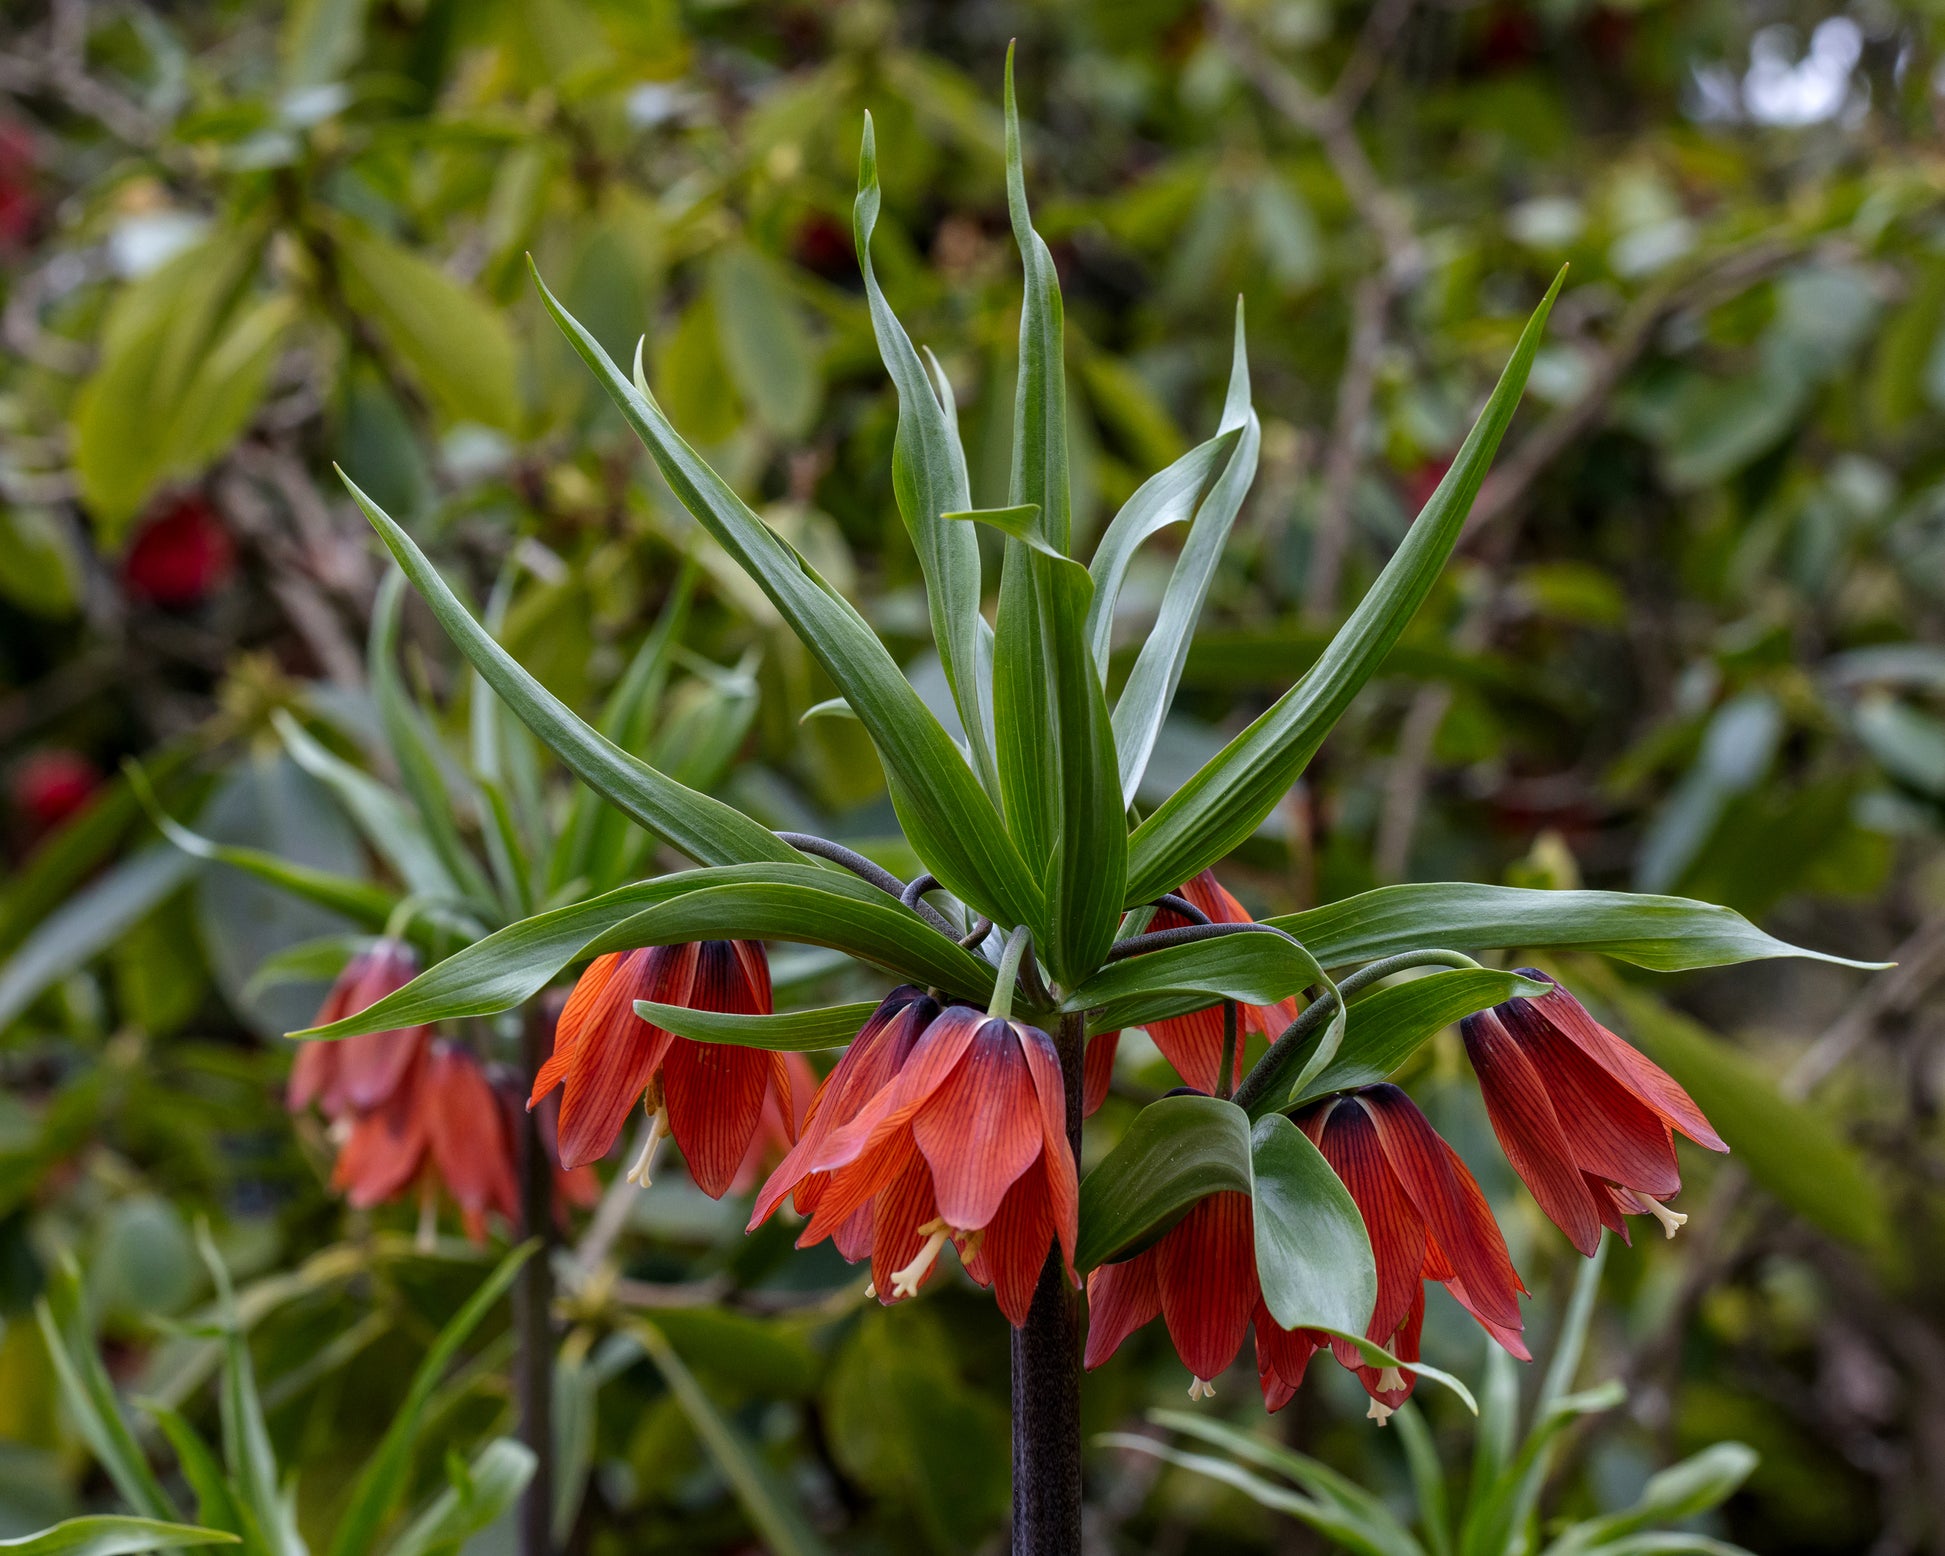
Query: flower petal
[(1120, 1299), (1455, 1212), (896, 1216), (1610, 1133), (1097, 1072), (1013, 1253), (1282, 1356), (715, 1095), (1397, 1230), (572, 1019), (981, 1129), (1057, 1155), (466, 1130), (617, 1053), (1529, 1130), (1628, 1065), (1206, 1268)]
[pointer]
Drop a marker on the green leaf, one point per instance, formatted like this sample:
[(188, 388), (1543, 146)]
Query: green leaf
[(1665, 934), (185, 355), (381, 1481), (749, 901), (89, 923), (705, 829), (767, 349), (1168, 497), (91, 1398), (945, 813), (1223, 803), (1791, 1149), (1385, 1029), (356, 900), (491, 1484), (1348, 1531), (1150, 690), (216, 1504), (595, 832), (1697, 1484), (391, 830), (1351, 1501), (113, 1536), (928, 473), (1313, 1256), (765, 1499), (40, 570), (1254, 968), (252, 1463), (797, 1031), (453, 341), (1175, 1152)]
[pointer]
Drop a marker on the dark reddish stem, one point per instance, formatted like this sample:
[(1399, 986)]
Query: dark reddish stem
[(533, 1302), (1047, 1375)]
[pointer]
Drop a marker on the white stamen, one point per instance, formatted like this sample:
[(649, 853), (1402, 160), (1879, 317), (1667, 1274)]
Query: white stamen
[(428, 1234), (905, 1282), (1671, 1220), (1391, 1378), (658, 1128), (1201, 1388), (1379, 1412), (970, 1244), (871, 1290)]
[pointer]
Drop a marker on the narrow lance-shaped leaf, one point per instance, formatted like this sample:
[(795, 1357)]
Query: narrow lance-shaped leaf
[(705, 829), (928, 471), (1223, 803), (1145, 700), (1257, 968), (1168, 497), (1057, 740), (1664, 934), (113, 1535), (796, 1031), (946, 815)]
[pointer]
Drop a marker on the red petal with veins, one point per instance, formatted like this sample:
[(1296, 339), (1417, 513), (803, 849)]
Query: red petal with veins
[(1529, 1130), (617, 1053), (1610, 1133), (1455, 1212), (573, 1017), (1120, 1299), (1097, 1072), (1014, 1250), (1397, 1230), (896, 1216), (980, 1129), (1206, 1268)]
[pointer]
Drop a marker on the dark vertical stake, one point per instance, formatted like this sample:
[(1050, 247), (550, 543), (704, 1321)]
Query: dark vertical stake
[(533, 1303), (1047, 1375)]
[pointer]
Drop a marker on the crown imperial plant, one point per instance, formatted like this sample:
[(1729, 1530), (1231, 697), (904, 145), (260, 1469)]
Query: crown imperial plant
[(1301, 1194)]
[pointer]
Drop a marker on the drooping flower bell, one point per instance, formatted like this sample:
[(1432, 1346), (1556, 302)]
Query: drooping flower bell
[(1586, 1120), (442, 1128), (870, 1064), (710, 1096), (358, 1074), (1191, 1043), (778, 1129), (1427, 1220), (1200, 1279), (967, 1144)]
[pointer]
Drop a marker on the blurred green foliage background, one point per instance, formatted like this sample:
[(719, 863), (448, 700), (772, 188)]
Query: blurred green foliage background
[(1695, 640)]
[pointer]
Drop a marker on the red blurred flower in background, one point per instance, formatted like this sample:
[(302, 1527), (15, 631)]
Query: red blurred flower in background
[(442, 1128), (967, 1144), (1427, 1220), (869, 1064), (710, 1096), (20, 202), (1586, 1120), (51, 784), (1200, 1278), (181, 555), (1191, 1043), (358, 1074)]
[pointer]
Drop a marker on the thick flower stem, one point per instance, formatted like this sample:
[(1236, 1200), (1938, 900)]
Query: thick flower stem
[(533, 1301), (1047, 1376)]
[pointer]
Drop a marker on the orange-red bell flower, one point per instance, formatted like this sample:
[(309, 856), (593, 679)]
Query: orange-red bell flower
[(358, 1074), (1427, 1220), (1200, 1279), (442, 1127), (869, 1065), (1586, 1120), (710, 1096), (967, 1144), (1191, 1043)]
